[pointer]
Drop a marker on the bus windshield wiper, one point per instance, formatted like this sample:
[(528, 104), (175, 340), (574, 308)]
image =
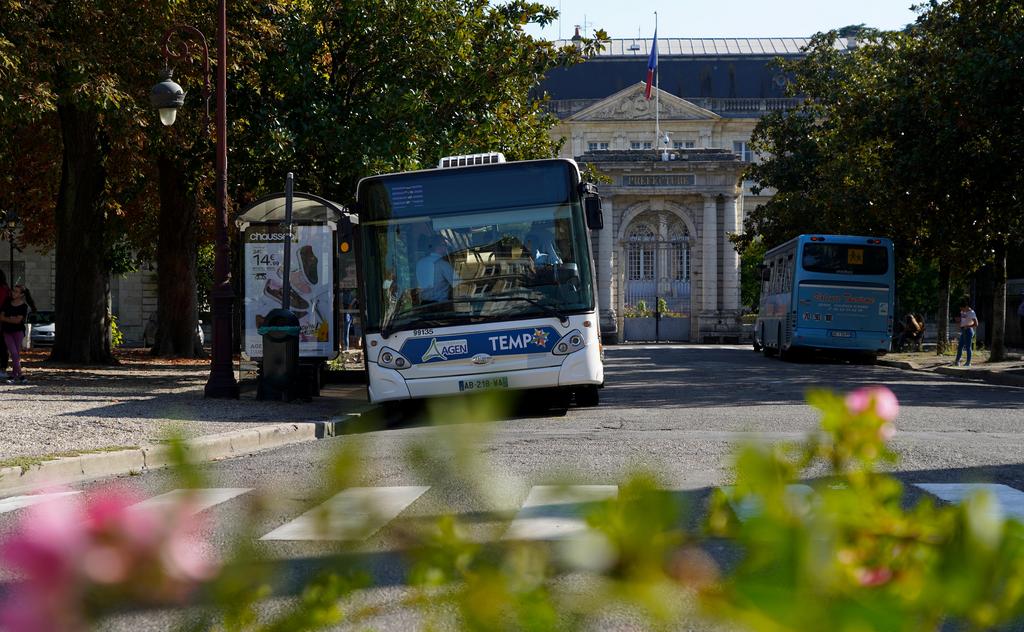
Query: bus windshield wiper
[(557, 313), (390, 327)]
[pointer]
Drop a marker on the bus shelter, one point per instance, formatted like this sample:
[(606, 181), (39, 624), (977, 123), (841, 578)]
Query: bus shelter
[(322, 277)]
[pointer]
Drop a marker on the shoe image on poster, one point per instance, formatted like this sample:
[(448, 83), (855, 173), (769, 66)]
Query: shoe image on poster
[(298, 279), (309, 264), (276, 291)]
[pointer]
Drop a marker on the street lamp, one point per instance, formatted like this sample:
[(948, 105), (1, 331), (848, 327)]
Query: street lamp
[(167, 96)]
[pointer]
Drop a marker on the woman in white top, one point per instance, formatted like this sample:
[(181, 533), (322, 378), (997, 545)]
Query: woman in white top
[(968, 321)]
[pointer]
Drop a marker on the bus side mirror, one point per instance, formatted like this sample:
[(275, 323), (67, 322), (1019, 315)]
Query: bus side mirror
[(592, 207), (766, 272)]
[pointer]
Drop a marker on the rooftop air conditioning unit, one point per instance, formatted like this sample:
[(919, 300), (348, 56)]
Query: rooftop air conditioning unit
[(471, 160)]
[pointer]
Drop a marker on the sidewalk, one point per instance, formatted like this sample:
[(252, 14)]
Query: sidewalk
[(116, 419), (1009, 373)]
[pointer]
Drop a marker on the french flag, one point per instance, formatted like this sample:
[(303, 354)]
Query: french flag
[(652, 64)]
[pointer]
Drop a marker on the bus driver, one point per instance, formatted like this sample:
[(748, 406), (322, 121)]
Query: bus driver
[(435, 277), (541, 246)]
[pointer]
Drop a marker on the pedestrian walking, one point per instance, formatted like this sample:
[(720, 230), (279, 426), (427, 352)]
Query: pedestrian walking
[(347, 301), (968, 322), (5, 292), (13, 315)]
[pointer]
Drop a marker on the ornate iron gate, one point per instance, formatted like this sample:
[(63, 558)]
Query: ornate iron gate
[(657, 288)]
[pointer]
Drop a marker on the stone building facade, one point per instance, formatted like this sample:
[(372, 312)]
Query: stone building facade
[(133, 296), (666, 268)]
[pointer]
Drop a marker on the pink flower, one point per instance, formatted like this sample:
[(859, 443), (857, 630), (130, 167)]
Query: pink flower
[(50, 535), (873, 576), (65, 550), (877, 398)]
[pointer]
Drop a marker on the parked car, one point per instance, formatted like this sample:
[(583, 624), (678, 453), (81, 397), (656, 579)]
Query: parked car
[(43, 328)]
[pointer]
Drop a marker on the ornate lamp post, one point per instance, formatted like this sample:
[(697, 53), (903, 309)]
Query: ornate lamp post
[(167, 96)]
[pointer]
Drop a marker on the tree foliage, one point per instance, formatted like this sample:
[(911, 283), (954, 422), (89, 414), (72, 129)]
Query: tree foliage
[(913, 135), (330, 90), (357, 88)]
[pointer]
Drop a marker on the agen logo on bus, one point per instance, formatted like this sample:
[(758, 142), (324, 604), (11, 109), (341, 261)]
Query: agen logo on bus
[(444, 350)]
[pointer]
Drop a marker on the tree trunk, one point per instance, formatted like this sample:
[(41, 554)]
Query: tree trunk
[(942, 315), (998, 353), (82, 274), (177, 317)]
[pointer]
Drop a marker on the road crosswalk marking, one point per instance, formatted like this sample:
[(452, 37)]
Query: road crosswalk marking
[(20, 502), (750, 507), (1010, 500), (200, 499), (354, 514), (549, 512), (555, 512)]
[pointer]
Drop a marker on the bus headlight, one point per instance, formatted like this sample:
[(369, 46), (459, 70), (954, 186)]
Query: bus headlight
[(391, 359), (570, 342)]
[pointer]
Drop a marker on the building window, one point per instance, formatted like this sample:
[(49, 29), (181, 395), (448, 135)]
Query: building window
[(640, 265), (741, 148), (598, 146), (640, 145), (684, 144), (679, 249)]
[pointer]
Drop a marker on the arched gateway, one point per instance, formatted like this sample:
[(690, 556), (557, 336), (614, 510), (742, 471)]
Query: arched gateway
[(656, 283)]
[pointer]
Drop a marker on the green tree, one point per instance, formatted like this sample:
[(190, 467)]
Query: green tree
[(878, 148), (751, 257), (184, 156), (973, 54), (67, 96), (369, 86)]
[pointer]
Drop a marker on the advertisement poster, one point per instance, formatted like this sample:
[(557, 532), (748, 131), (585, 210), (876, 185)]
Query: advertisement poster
[(312, 295)]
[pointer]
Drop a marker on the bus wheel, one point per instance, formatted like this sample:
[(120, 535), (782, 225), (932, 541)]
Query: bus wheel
[(782, 350), (587, 396), (766, 348)]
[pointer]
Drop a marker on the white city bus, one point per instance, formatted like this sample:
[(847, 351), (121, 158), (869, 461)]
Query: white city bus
[(479, 275)]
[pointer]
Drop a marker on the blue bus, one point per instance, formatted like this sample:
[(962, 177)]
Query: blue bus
[(827, 293)]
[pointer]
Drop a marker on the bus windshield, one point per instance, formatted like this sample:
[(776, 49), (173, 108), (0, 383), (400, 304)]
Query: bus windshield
[(471, 267), (854, 259)]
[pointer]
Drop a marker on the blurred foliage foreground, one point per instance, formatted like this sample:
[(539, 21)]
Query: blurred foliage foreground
[(844, 550)]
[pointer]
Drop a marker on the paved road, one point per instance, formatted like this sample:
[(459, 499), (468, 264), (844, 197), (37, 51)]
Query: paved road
[(674, 410)]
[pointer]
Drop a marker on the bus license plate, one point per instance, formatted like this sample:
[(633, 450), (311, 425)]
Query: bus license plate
[(842, 334), (483, 384)]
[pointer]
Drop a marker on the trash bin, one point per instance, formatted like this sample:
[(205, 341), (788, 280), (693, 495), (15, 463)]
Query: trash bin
[(279, 374)]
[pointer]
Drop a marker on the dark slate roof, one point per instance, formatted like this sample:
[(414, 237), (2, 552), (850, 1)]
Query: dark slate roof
[(722, 68), (701, 47)]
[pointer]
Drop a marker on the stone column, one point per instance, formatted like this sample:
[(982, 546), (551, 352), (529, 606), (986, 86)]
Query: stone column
[(709, 259), (731, 258), (605, 254)]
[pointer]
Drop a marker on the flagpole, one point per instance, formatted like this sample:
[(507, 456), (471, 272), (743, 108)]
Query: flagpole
[(657, 88)]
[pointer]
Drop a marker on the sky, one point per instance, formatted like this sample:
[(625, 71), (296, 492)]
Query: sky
[(723, 18)]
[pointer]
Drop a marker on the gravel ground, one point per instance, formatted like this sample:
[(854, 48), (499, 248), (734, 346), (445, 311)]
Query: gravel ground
[(141, 401)]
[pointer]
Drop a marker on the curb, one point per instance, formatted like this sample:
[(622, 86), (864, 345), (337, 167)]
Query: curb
[(990, 377), (899, 364), (150, 457), (967, 374)]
